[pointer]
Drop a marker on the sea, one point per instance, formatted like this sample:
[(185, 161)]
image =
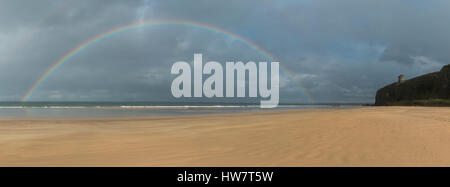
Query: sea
[(140, 109)]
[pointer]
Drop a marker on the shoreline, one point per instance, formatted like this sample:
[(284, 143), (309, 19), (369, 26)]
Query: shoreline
[(363, 136), (149, 117), (115, 112)]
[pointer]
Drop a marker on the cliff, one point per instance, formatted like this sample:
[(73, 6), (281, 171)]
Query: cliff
[(429, 89)]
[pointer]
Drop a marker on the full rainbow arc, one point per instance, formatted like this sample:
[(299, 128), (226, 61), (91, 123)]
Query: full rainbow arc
[(134, 26)]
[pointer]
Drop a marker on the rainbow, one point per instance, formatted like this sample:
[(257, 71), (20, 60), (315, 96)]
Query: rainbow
[(64, 59)]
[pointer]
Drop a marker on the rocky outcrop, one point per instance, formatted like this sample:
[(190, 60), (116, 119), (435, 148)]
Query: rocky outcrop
[(433, 87)]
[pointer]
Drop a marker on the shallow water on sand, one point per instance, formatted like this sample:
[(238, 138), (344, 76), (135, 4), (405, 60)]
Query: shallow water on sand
[(116, 109)]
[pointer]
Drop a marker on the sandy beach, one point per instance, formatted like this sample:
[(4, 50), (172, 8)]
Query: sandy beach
[(368, 136)]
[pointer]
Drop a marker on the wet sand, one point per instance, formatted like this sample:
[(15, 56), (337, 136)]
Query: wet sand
[(368, 136)]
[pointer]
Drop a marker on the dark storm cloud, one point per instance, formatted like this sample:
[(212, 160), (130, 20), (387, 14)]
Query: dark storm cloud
[(337, 51)]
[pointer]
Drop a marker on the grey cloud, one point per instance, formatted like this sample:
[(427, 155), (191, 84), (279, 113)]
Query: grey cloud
[(336, 50)]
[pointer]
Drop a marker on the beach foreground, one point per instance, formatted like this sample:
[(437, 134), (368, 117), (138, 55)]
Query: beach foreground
[(369, 136)]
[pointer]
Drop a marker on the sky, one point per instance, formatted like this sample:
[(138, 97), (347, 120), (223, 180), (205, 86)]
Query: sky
[(332, 51)]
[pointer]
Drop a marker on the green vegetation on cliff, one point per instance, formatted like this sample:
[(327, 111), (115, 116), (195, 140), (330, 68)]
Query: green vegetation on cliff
[(431, 89)]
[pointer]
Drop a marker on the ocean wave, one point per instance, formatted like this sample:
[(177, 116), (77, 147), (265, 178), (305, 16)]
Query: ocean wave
[(49, 107), (125, 107), (183, 107), (162, 107)]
